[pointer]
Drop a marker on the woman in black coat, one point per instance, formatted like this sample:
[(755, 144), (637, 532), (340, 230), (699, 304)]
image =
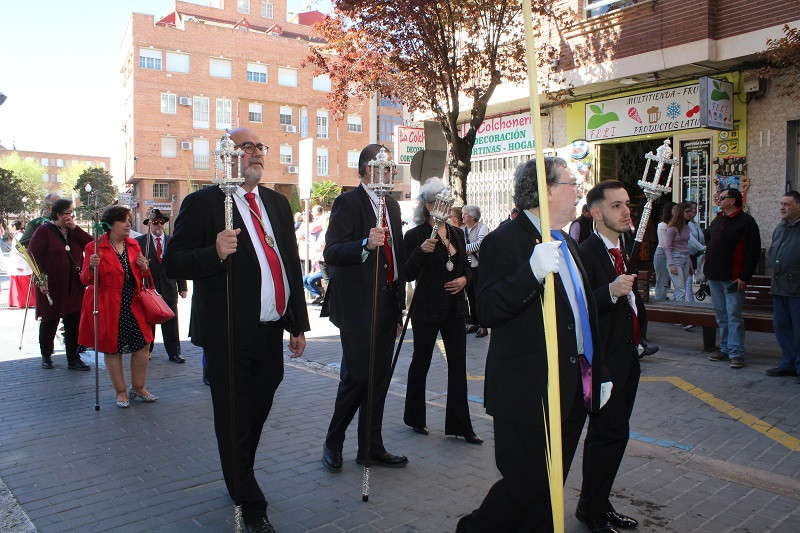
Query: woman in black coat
[(439, 265)]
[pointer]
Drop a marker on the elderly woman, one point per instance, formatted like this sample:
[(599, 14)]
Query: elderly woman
[(439, 265), (475, 231), (121, 325)]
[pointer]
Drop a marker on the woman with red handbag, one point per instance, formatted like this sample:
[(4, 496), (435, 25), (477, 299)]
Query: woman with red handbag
[(121, 325)]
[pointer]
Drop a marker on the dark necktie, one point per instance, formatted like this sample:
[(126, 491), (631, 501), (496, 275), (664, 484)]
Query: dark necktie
[(388, 249), (619, 267), (272, 256), (159, 249)]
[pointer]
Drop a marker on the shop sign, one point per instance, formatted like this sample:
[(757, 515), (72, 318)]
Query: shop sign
[(125, 198), (502, 135), (162, 206), (410, 140), (655, 112), (716, 104)]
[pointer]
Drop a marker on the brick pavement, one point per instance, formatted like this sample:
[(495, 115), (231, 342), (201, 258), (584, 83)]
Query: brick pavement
[(154, 467)]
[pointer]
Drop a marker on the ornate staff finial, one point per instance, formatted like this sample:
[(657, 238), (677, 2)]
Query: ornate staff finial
[(653, 188), (224, 158), (381, 173), (441, 205)]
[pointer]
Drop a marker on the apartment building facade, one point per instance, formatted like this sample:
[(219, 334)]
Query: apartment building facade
[(190, 75), (628, 75), (55, 163)]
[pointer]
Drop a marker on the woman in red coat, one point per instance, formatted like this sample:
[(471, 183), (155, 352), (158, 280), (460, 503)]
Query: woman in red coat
[(121, 326)]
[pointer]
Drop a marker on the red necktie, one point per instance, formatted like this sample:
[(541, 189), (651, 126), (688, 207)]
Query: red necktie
[(159, 249), (272, 255), (388, 248), (619, 266)]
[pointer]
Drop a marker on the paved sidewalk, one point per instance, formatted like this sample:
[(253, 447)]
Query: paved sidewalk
[(711, 450)]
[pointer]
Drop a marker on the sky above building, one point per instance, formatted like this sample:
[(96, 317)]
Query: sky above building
[(60, 70)]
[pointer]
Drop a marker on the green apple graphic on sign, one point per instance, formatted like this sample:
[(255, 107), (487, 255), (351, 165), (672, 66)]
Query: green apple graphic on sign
[(599, 118), (718, 94)]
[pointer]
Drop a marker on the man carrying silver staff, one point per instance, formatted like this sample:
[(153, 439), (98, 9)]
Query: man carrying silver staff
[(352, 240), (268, 296)]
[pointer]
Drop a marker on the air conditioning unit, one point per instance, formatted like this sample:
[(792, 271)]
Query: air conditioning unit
[(174, 198), (290, 128), (184, 100), (292, 169), (186, 145)]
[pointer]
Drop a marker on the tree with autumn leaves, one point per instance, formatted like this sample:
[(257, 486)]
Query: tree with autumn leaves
[(442, 57), (783, 61)]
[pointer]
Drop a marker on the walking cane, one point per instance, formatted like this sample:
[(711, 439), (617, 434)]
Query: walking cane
[(440, 213), (25, 316), (224, 177), (381, 185)]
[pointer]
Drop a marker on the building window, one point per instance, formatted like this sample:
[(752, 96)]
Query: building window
[(304, 123), (286, 155), (322, 161), (354, 123), (201, 154), (45, 162), (322, 83), (387, 127), (352, 158), (161, 190), (595, 8), (200, 113), (243, 6), (169, 147), (177, 62), (257, 72), (220, 68), (322, 124), (45, 177), (150, 59), (224, 114), (254, 112), (57, 177), (194, 187), (59, 162), (286, 115), (267, 10), (287, 77), (168, 103)]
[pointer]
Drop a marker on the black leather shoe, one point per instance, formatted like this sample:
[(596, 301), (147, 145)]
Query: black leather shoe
[(78, 365), (422, 430), (779, 372), (261, 525), (386, 459), (332, 459), (600, 524), (649, 349), (473, 439), (620, 520), (177, 359), (205, 377), (47, 361), (473, 328), (481, 332)]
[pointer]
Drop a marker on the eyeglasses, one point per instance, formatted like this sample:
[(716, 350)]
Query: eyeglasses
[(250, 148), (157, 222), (720, 198), (575, 184)]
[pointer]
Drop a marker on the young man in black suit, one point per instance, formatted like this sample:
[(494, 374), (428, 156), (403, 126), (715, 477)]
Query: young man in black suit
[(153, 243), (351, 242), (268, 299), (605, 259), (514, 264)]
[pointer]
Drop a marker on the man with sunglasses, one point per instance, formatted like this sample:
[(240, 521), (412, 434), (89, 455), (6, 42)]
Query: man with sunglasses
[(268, 298), (732, 254), (153, 245)]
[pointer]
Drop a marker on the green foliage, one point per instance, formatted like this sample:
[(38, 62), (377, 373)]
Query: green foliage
[(30, 173), (104, 192), (294, 201), (69, 177), (11, 193), (324, 192)]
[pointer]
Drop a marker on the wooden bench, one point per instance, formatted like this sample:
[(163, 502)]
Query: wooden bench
[(756, 311)]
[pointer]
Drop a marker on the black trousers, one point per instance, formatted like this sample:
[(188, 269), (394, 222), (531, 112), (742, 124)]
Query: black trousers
[(473, 308), (258, 371), (606, 440), (520, 501), (354, 380), (457, 421), (47, 335), (169, 331)]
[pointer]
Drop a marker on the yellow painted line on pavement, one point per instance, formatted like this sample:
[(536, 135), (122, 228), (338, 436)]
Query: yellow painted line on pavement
[(747, 419), (470, 377)]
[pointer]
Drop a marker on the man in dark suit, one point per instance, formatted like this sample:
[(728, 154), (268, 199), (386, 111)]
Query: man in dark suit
[(514, 265), (268, 299), (351, 244), (153, 245), (605, 259)]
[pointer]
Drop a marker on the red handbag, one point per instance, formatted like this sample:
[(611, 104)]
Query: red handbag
[(152, 305)]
